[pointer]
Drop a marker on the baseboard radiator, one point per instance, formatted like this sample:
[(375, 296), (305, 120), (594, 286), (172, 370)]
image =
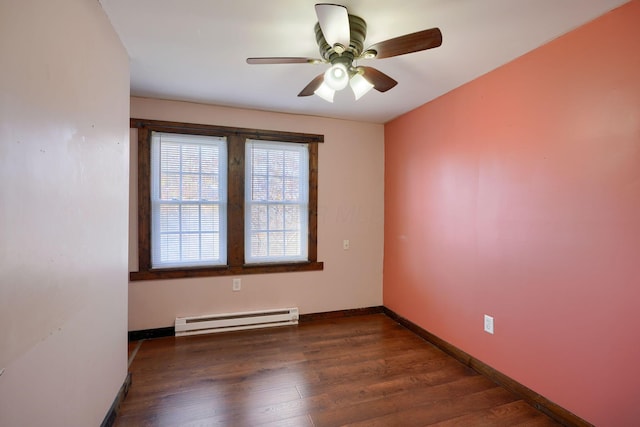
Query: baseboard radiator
[(235, 321)]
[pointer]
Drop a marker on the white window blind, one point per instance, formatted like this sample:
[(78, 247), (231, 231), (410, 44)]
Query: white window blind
[(276, 201), (188, 200)]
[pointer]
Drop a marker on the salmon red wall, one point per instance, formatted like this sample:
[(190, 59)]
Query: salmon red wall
[(518, 195)]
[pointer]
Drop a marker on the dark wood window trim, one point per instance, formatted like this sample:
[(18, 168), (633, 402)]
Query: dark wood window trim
[(236, 138)]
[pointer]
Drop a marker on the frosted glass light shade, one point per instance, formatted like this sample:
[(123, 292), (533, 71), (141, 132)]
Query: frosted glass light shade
[(337, 77), (325, 92), (360, 85)]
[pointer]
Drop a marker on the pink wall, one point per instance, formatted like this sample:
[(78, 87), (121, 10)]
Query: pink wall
[(350, 205), (64, 113), (518, 195)]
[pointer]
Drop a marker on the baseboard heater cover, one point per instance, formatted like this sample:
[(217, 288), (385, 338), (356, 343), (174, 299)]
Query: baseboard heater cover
[(226, 322)]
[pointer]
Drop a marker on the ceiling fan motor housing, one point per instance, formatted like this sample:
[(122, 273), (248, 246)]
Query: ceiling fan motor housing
[(358, 32)]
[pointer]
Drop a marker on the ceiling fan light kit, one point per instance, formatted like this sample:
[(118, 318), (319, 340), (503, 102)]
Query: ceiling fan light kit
[(337, 76), (340, 37), (325, 92), (359, 85)]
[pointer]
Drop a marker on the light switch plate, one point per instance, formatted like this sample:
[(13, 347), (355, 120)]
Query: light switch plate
[(488, 324)]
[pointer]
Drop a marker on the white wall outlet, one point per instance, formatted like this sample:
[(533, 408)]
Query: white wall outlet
[(488, 324), (237, 284), (346, 244)]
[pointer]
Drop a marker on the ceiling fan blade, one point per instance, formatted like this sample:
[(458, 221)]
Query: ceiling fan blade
[(334, 23), (283, 60), (414, 42), (380, 81), (312, 86)]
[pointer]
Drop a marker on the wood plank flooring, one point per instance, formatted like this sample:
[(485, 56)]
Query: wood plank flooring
[(356, 371)]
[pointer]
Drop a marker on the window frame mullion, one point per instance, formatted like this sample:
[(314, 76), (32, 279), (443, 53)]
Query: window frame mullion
[(235, 200)]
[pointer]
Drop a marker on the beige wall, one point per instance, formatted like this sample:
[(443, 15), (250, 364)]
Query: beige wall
[(64, 92), (350, 207)]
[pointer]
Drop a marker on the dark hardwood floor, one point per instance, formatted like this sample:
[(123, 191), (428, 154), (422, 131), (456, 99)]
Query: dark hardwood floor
[(359, 371)]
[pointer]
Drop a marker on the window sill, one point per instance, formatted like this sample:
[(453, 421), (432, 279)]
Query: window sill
[(183, 273)]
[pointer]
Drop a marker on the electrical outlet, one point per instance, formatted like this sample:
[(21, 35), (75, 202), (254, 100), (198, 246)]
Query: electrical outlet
[(237, 284), (488, 324), (345, 245)]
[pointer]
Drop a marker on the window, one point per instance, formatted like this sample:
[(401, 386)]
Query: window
[(188, 200), (276, 201), (217, 200)]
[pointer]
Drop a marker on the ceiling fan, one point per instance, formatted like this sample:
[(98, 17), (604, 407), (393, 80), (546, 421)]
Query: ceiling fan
[(340, 37)]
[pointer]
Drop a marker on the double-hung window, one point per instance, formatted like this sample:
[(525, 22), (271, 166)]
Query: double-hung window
[(276, 201), (217, 200), (188, 200)]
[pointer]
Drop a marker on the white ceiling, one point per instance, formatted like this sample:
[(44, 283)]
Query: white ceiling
[(195, 50)]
